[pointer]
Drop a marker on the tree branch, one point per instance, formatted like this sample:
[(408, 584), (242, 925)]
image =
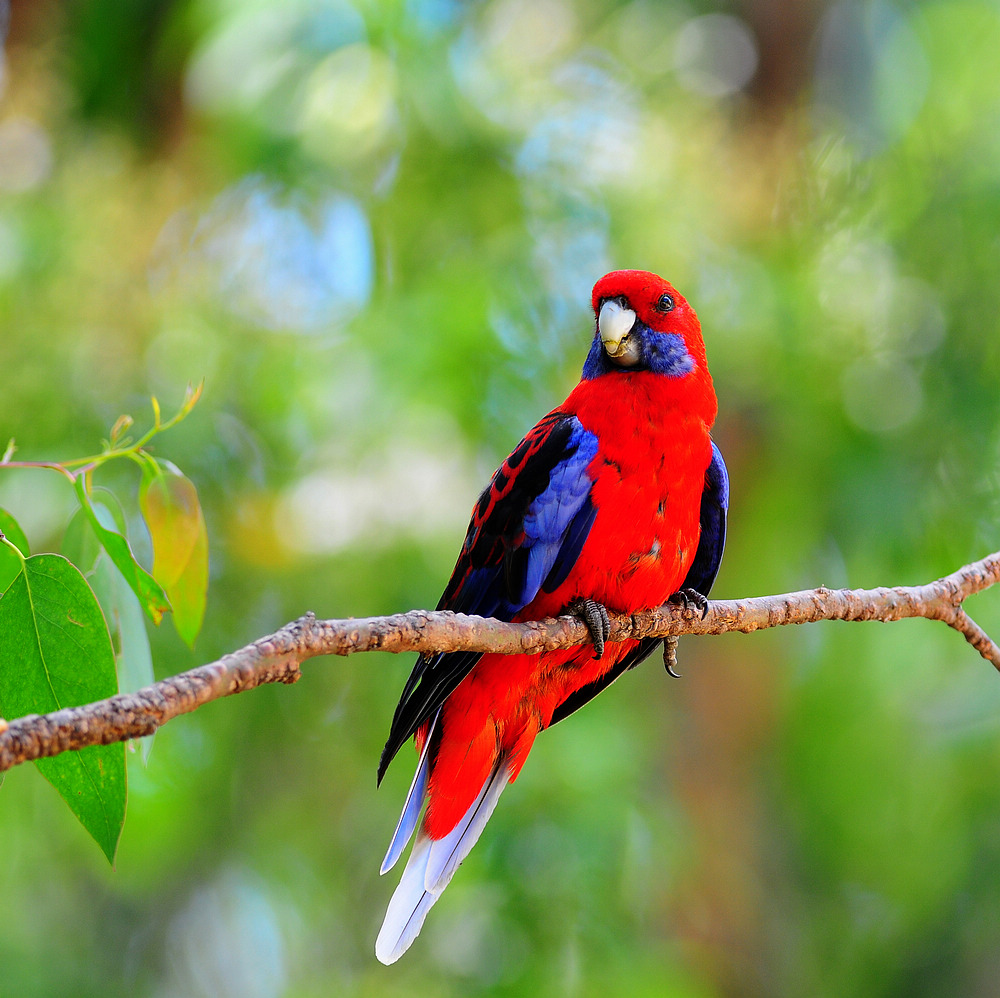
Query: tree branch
[(277, 657)]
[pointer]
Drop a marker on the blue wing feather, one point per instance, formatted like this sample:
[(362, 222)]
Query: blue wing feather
[(576, 534), (551, 531)]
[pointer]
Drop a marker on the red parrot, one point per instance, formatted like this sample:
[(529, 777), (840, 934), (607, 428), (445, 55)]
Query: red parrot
[(616, 500)]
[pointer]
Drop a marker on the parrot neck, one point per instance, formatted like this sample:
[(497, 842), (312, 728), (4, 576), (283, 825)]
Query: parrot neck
[(645, 398)]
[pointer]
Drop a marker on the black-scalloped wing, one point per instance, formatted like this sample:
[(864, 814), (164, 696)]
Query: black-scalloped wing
[(526, 532)]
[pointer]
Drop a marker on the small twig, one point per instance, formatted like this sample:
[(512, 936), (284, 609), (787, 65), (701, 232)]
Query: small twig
[(277, 657)]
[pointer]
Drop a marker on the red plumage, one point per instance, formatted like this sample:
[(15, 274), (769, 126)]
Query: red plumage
[(649, 472), (646, 482)]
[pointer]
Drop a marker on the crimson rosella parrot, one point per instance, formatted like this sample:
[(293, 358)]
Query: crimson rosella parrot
[(616, 500)]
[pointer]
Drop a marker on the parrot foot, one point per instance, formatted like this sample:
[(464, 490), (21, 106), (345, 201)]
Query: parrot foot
[(690, 599), (595, 616), (670, 655)]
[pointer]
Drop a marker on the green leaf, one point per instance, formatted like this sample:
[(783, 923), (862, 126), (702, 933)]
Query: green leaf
[(55, 652), (80, 544), (128, 631), (169, 504), (10, 564), (152, 597)]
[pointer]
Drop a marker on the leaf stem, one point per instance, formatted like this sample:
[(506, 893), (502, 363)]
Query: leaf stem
[(77, 466), (4, 539), (50, 465)]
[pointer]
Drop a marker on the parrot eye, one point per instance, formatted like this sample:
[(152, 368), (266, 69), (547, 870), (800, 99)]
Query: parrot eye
[(665, 304)]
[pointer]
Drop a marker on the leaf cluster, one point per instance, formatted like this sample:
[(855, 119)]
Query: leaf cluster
[(72, 626)]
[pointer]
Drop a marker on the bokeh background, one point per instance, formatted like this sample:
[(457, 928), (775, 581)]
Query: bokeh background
[(371, 226)]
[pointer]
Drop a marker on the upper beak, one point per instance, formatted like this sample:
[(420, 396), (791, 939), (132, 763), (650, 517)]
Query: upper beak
[(614, 323)]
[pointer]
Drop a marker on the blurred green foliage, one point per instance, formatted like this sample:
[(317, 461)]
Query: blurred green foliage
[(372, 228)]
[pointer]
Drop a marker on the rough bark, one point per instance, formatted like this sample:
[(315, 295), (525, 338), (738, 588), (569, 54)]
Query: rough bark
[(277, 657)]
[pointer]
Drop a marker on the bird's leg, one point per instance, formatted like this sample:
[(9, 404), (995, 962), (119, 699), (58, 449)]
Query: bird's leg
[(595, 616), (670, 655), (690, 599)]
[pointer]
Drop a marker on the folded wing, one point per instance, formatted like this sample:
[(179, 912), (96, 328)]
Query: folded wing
[(527, 531)]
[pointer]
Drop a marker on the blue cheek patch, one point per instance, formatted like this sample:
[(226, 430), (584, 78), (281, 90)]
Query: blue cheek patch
[(597, 362), (665, 353)]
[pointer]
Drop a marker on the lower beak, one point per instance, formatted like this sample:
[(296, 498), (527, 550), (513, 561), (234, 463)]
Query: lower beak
[(614, 323)]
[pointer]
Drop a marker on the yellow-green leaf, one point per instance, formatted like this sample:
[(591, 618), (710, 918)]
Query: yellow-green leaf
[(170, 506)]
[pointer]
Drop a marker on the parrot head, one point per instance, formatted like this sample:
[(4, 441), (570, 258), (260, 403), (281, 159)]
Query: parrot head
[(643, 324)]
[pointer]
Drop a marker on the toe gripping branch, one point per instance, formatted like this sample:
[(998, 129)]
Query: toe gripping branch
[(595, 616), (690, 599)]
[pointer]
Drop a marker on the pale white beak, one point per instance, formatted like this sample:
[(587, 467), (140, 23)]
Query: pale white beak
[(614, 323)]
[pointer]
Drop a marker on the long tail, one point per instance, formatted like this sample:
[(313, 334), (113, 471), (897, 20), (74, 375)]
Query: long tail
[(432, 862)]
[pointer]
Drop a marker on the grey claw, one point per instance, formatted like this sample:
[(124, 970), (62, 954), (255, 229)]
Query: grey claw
[(670, 655), (595, 616)]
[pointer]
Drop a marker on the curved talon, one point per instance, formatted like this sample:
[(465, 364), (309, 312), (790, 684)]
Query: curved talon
[(595, 616), (690, 599), (670, 655)]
